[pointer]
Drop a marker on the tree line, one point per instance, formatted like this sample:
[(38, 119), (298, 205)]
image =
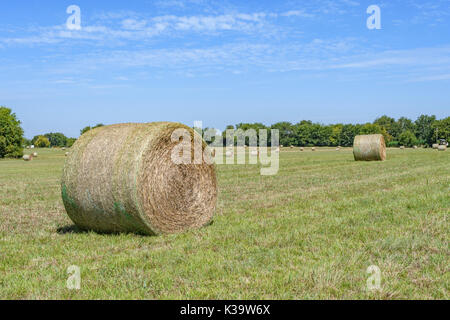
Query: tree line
[(424, 131)]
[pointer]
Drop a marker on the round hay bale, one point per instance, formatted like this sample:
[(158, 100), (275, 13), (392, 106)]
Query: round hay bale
[(402, 148), (369, 148), (292, 147), (313, 149), (435, 146), (28, 157), (338, 149), (35, 155), (281, 146), (415, 147), (302, 149), (442, 148), (67, 154), (121, 178)]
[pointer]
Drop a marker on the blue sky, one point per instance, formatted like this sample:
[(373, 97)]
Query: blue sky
[(222, 62)]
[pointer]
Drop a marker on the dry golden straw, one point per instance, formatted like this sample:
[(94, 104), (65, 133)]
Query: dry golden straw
[(121, 178), (369, 148)]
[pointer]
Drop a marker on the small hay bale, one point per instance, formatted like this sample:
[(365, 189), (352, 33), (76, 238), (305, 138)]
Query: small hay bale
[(35, 155), (369, 148), (281, 146), (415, 147), (121, 178), (435, 146), (67, 154), (302, 149), (292, 147), (338, 149), (28, 157), (313, 149), (402, 148), (442, 148)]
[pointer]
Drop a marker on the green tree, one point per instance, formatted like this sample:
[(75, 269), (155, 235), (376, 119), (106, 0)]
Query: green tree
[(407, 139), (287, 134), (11, 135), (70, 142), (86, 129), (424, 130), (389, 125), (442, 129), (56, 139), (348, 133), (42, 142)]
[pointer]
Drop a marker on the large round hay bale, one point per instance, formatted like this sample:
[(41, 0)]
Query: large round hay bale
[(442, 148), (435, 146), (369, 148), (121, 178), (28, 157)]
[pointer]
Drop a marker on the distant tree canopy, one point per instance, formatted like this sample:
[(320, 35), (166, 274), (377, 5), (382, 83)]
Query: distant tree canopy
[(426, 130), (41, 142), (86, 129), (57, 140), (11, 135)]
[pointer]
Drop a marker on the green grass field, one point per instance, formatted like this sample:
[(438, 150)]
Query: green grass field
[(309, 232)]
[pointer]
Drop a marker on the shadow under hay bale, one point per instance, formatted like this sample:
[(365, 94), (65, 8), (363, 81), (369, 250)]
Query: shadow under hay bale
[(121, 178)]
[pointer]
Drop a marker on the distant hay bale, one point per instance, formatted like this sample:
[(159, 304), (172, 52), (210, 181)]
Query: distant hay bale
[(402, 147), (281, 146), (435, 146), (369, 148), (67, 154), (35, 155), (313, 149), (302, 149), (415, 147), (292, 147), (121, 178), (442, 148), (64, 148), (338, 149), (28, 157)]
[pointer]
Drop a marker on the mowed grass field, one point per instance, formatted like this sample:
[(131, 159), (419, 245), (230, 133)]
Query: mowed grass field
[(309, 232)]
